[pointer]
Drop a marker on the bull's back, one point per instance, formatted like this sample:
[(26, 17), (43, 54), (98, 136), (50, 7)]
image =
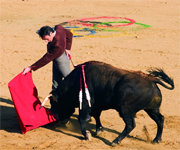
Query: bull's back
[(113, 87), (110, 86)]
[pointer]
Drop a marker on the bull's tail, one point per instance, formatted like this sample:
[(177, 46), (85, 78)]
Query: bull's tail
[(160, 76)]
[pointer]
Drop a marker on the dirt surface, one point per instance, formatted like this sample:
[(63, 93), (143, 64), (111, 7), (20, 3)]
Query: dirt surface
[(138, 49)]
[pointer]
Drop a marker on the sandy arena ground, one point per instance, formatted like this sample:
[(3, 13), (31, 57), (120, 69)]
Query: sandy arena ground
[(157, 46)]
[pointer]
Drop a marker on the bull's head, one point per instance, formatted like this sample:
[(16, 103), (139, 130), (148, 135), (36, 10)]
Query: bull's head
[(59, 106), (53, 102)]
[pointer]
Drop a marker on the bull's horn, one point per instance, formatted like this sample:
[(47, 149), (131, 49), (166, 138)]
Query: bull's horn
[(45, 100)]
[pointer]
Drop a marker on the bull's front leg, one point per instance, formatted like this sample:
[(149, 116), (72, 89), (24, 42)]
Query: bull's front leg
[(96, 114), (82, 120)]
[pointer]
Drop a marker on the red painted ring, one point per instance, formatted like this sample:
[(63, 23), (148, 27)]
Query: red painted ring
[(92, 18)]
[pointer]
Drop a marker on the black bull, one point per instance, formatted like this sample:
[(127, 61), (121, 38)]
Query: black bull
[(111, 88)]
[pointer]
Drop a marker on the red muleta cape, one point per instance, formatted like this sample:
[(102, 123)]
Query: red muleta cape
[(25, 98)]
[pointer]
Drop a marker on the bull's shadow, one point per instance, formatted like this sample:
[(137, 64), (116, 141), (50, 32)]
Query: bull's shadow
[(8, 118), (74, 126), (9, 122)]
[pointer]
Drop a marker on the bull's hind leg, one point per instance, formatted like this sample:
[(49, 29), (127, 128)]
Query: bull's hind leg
[(129, 126), (159, 119)]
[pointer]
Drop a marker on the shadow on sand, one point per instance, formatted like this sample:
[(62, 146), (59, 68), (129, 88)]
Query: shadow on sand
[(9, 122), (73, 126), (8, 118)]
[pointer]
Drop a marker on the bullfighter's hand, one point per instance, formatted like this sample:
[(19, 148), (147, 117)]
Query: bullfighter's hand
[(26, 70), (68, 54)]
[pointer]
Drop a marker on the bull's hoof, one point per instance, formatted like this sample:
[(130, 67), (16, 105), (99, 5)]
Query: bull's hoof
[(99, 131), (88, 135), (156, 140), (115, 142)]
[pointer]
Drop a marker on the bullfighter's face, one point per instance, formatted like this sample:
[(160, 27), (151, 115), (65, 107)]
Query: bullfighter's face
[(48, 38)]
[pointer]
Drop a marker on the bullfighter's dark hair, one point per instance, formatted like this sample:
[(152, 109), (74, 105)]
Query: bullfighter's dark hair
[(45, 30)]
